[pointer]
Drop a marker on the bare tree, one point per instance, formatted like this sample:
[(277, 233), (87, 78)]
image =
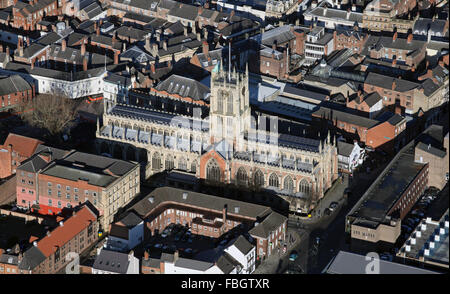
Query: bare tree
[(50, 112)]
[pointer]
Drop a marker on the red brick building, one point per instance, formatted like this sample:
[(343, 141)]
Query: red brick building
[(382, 132), (74, 235), (353, 40), (14, 151), (27, 15), (8, 263), (211, 216), (14, 90), (406, 51)]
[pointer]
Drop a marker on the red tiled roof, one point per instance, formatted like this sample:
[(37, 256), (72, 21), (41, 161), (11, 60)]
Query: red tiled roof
[(25, 146), (62, 234)]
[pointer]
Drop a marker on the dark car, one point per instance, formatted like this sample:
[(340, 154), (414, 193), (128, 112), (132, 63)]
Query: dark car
[(333, 206)]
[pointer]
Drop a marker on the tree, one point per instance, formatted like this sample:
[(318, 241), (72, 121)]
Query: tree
[(50, 112)]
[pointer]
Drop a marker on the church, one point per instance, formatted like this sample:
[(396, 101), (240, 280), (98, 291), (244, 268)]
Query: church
[(216, 135)]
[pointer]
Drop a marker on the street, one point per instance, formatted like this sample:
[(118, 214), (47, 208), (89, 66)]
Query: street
[(313, 257)]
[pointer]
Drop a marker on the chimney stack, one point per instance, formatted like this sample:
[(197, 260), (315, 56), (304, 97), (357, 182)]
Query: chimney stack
[(85, 63), (63, 45), (146, 255), (205, 47), (83, 49), (116, 57), (394, 37), (224, 213), (410, 38), (165, 45), (20, 45), (153, 68)]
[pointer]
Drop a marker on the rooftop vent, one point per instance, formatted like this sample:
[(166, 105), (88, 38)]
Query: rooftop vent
[(34, 243), (151, 199), (61, 223), (185, 195), (236, 209)]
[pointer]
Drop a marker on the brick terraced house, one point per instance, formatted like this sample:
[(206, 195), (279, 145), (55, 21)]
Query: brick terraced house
[(49, 254)]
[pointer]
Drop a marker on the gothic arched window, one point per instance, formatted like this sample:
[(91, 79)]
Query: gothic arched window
[(213, 171), (258, 178), (273, 181), (229, 103), (169, 164), (156, 161), (194, 167), (304, 187), (182, 164), (241, 176), (288, 184)]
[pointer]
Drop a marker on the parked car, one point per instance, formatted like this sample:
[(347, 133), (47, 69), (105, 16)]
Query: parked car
[(158, 245), (406, 228), (386, 256), (293, 256), (188, 250), (333, 206)]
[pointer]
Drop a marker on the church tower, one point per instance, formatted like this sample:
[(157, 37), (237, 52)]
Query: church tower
[(229, 114)]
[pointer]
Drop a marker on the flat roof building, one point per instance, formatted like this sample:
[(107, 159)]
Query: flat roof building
[(377, 215)]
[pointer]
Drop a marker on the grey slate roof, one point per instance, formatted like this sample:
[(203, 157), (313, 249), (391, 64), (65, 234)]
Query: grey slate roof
[(351, 263), (242, 244), (166, 194), (184, 11), (386, 82), (13, 84), (184, 87), (268, 225), (49, 39), (119, 231), (279, 35), (226, 263), (344, 149), (131, 220), (193, 264), (31, 258), (9, 259), (111, 261)]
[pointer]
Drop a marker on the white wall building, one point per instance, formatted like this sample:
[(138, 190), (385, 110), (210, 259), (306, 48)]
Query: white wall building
[(244, 253), (126, 234)]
